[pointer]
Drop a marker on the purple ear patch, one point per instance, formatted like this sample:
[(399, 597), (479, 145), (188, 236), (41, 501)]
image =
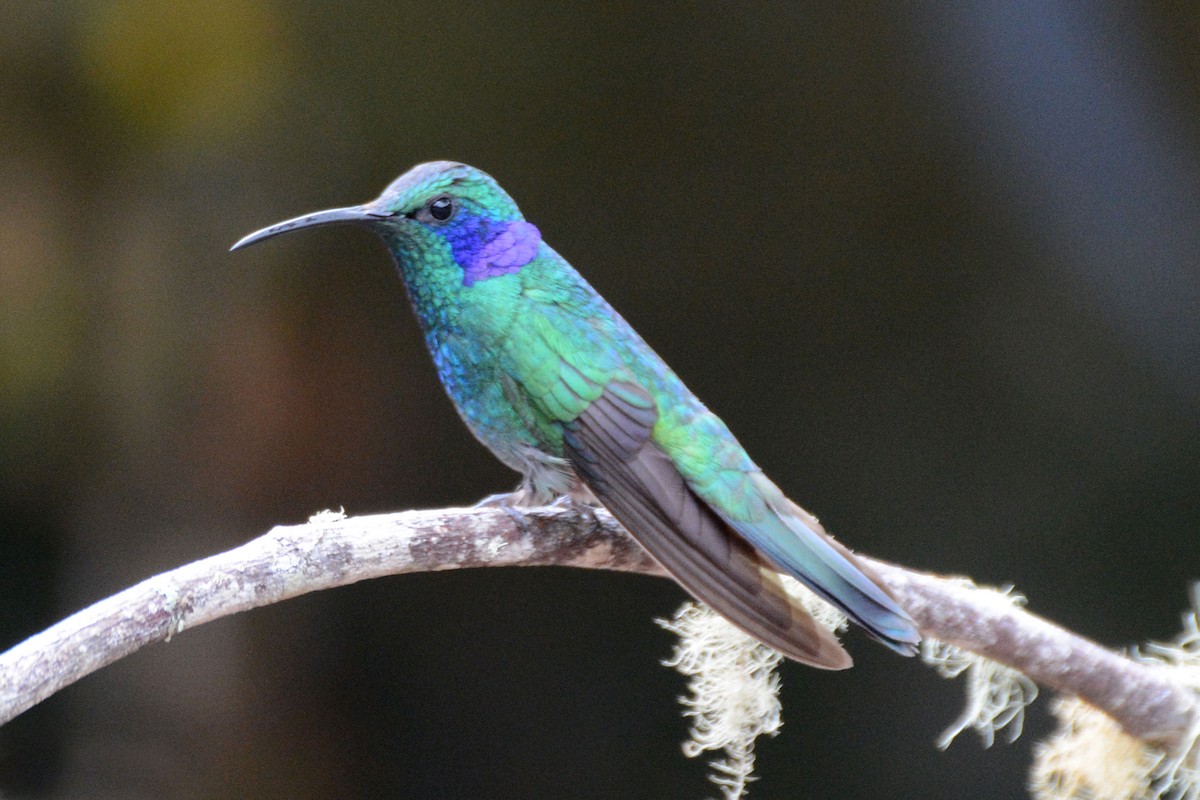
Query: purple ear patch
[(487, 248)]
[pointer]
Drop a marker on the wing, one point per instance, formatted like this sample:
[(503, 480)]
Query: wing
[(610, 446)]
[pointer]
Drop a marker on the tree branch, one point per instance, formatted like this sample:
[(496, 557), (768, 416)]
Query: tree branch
[(1149, 701)]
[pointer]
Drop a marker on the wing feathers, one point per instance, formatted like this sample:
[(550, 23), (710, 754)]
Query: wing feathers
[(611, 448)]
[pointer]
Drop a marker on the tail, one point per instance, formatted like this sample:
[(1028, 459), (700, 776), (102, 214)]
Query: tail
[(793, 541)]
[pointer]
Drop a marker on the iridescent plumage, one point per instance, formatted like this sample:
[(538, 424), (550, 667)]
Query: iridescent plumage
[(560, 388)]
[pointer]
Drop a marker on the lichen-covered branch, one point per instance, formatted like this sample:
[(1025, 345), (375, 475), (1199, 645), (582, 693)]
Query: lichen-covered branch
[(1146, 700)]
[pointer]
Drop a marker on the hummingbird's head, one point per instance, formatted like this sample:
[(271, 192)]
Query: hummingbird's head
[(441, 213)]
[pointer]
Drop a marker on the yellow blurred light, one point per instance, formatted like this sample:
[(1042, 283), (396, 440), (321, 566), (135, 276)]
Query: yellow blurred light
[(193, 70)]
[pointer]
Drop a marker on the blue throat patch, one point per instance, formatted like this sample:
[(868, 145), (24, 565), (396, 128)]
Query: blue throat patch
[(486, 248)]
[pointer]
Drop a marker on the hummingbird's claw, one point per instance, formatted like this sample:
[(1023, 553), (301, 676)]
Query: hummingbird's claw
[(508, 502), (500, 500)]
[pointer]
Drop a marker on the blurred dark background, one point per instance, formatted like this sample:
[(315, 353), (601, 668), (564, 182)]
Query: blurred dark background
[(937, 267)]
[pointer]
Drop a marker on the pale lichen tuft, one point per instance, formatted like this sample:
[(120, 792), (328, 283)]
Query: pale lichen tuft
[(733, 693), (996, 694)]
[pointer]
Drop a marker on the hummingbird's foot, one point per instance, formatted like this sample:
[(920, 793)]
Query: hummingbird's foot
[(582, 502), (519, 518), (501, 500), (577, 498), (526, 495), (507, 502)]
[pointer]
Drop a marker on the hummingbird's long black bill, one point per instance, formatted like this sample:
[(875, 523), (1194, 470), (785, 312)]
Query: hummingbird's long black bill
[(353, 215)]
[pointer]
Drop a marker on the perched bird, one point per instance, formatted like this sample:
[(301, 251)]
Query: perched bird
[(561, 389)]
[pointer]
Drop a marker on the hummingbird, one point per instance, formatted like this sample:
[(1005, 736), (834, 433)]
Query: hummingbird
[(559, 387)]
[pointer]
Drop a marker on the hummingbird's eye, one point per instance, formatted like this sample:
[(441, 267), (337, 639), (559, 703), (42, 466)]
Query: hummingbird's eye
[(441, 208)]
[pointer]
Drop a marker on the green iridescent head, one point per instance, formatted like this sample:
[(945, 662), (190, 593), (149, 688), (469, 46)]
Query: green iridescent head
[(440, 209)]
